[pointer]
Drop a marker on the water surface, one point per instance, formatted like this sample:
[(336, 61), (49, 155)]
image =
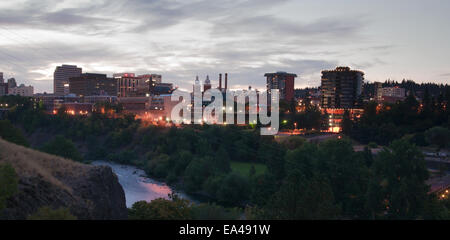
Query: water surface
[(137, 185)]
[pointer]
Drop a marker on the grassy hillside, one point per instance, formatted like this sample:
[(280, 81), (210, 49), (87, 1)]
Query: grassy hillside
[(31, 163), (89, 192)]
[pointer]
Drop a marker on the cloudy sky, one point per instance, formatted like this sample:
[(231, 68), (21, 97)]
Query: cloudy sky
[(246, 38)]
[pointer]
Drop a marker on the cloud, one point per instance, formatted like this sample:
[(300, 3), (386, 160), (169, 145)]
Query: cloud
[(178, 39)]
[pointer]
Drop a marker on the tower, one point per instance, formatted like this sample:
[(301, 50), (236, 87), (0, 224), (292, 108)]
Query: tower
[(341, 87), (207, 84)]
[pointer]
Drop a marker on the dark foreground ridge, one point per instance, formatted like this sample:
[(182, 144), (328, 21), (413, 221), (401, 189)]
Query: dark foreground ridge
[(89, 192)]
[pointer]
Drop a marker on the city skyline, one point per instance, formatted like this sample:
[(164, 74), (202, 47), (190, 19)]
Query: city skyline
[(179, 40)]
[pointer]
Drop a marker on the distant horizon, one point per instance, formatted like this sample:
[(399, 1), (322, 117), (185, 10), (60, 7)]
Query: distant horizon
[(215, 82), (245, 38)]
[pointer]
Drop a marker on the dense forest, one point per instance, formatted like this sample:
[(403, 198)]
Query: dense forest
[(286, 179)]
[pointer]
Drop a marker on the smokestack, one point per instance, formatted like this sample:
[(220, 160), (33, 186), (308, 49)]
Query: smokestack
[(226, 80), (220, 81)]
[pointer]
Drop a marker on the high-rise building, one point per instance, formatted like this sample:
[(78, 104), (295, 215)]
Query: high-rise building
[(12, 83), (341, 88), (61, 78), (151, 81), (127, 84), (3, 86), (282, 81), (3, 89), (378, 90), (93, 84)]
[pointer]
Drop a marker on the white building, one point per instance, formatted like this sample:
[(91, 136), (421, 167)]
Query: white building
[(22, 90), (393, 92)]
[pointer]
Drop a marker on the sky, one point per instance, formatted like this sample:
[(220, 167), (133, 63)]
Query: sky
[(396, 39)]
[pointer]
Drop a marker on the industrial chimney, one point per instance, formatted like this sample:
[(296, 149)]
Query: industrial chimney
[(226, 81), (220, 81)]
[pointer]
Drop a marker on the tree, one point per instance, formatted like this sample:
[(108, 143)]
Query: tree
[(438, 136), (161, 209), (347, 174), (196, 173), (347, 123), (262, 188), (158, 166), (8, 183), (301, 198), (208, 211), (398, 184), (62, 147), (47, 213), (12, 134), (234, 189), (293, 142)]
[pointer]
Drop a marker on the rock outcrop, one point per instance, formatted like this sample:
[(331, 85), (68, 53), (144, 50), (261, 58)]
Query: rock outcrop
[(89, 192)]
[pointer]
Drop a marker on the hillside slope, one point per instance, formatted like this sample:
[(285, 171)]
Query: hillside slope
[(89, 192)]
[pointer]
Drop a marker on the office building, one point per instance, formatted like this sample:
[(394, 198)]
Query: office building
[(3, 86), (22, 90), (61, 78), (393, 92), (150, 82), (282, 81), (341, 88), (93, 84), (130, 85), (3, 89), (12, 83)]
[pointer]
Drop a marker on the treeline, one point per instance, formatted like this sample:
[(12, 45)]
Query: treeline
[(383, 124), (435, 90)]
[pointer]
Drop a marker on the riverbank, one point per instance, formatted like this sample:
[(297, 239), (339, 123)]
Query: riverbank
[(138, 186)]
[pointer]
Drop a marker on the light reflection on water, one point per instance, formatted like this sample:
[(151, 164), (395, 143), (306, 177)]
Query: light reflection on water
[(137, 187)]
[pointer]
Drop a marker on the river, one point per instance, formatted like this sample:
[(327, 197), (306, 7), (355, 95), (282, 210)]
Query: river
[(137, 185)]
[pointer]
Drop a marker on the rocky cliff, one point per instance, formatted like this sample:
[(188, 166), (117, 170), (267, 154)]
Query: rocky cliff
[(89, 192)]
